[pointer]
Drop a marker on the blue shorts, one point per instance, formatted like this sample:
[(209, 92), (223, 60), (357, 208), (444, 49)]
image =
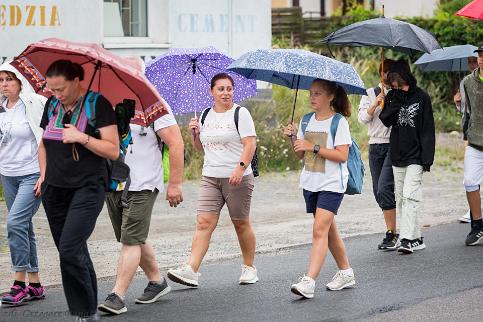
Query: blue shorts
[(326, 200)]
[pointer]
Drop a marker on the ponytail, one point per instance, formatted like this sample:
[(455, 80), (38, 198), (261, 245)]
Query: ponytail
[(341, 103)]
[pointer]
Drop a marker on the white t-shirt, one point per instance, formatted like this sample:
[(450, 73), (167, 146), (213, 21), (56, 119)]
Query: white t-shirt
[(18, 147), (325, 174), (222, 143), (144, 155)]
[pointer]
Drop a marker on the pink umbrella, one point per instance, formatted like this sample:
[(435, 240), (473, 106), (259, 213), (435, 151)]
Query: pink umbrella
[(474, 10), (114, 77)]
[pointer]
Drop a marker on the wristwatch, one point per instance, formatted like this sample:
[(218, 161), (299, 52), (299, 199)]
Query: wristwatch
[(243, 165), (316, 148)]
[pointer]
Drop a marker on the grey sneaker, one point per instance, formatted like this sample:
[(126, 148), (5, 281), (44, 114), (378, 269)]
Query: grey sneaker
[(113, 304), (153, 292)]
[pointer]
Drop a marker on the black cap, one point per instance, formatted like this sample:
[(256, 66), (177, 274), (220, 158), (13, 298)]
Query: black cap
[(479, 49)]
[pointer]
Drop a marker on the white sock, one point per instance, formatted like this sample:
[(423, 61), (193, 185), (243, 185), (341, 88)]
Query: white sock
[(348, 271)]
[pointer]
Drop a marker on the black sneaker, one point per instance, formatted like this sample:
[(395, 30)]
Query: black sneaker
[(409, 246), (113, 304), (153, 292), (474, 237), (390, 242)]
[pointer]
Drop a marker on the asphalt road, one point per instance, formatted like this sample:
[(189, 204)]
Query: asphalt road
[(444, 282)]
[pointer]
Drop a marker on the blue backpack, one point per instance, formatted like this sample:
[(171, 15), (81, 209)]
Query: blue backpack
[(354, 162)]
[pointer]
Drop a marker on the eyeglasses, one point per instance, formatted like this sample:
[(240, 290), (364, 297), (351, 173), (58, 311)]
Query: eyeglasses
[(67, 118), (8, 79)]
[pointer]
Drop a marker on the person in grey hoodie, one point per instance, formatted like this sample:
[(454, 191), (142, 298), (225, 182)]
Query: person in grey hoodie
[(473, 133), (380, 156), (20, 113)]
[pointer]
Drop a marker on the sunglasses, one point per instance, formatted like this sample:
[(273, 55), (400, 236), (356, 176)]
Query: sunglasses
[(67, 118)]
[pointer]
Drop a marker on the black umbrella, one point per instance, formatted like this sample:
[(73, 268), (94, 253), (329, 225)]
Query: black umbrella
[(385, 33)]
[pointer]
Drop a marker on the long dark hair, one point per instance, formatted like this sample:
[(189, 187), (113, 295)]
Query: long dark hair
[(340, 103), (67, 69)]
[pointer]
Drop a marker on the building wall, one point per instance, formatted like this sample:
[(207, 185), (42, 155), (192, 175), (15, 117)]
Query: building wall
[(232, 26), (24, 21), (281, 3), (407, 8)]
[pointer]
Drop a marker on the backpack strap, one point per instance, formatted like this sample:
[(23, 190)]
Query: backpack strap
[(204, 114), (237, 117), (305, 121), (333, 131), (90, 108), (334, 125), (160, 142)]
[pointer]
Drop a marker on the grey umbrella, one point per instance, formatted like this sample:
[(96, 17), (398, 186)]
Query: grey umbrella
[(384, 32), (447, 59)]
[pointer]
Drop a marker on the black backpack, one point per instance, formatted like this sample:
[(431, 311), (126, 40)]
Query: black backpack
[(254, 162)]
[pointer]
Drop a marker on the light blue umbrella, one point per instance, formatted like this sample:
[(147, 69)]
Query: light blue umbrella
[(297, 69), (447, 59)]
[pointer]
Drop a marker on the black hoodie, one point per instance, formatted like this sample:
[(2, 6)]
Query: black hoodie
[(411, 116)]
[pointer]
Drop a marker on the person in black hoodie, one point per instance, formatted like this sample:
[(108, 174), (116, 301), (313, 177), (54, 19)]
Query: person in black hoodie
[(407, 108)]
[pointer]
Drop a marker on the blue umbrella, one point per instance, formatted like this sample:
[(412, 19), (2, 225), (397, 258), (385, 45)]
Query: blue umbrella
[(296, 68), (448, 59), (182, 76)]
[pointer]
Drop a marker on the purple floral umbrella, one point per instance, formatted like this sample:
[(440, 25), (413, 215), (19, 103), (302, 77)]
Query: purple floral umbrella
[(182, 76)]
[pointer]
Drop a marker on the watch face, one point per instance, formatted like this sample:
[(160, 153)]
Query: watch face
[(242, 164)]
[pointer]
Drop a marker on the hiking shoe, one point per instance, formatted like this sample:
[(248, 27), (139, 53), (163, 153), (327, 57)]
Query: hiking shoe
[(466, 218), (474, 237), (16, 296), (248, 275), (409, 246), (341, 280), (184, 275), (113, 304), (92, 318), (305, 287), (153, 292), (35, 293), (390, 242)]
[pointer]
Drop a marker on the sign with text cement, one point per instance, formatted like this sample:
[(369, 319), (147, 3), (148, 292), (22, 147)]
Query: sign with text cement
[(233, 27), (25, 21)]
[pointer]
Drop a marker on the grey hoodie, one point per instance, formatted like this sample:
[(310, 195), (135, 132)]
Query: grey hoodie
[(34, 103)]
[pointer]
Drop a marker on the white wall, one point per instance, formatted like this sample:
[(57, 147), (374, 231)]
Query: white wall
[(310, 5), (407, 8), (25, 21), (232, 26)]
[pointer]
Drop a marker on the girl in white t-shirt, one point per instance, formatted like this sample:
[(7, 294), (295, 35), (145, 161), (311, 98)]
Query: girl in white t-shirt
[(322, 181), (227, 178)]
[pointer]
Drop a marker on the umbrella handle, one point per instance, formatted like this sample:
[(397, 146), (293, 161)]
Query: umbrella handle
[(382, 71)]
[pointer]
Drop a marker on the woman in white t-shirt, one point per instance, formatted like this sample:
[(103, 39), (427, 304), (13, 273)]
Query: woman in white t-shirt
[(20, 134), (227, 178), (324, 181)]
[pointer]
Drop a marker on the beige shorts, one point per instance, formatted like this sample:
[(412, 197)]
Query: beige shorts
[(215, 192)]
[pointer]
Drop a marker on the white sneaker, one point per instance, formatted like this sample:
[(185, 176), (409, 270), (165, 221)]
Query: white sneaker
[(305, 287), (248, 275), (466, 218), (184, 275), (341, 280)]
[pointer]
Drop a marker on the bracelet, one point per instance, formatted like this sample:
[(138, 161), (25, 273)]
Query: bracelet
[(87, 141)]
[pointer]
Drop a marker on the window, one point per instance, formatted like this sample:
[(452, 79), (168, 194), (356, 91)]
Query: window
[(125, 18)]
